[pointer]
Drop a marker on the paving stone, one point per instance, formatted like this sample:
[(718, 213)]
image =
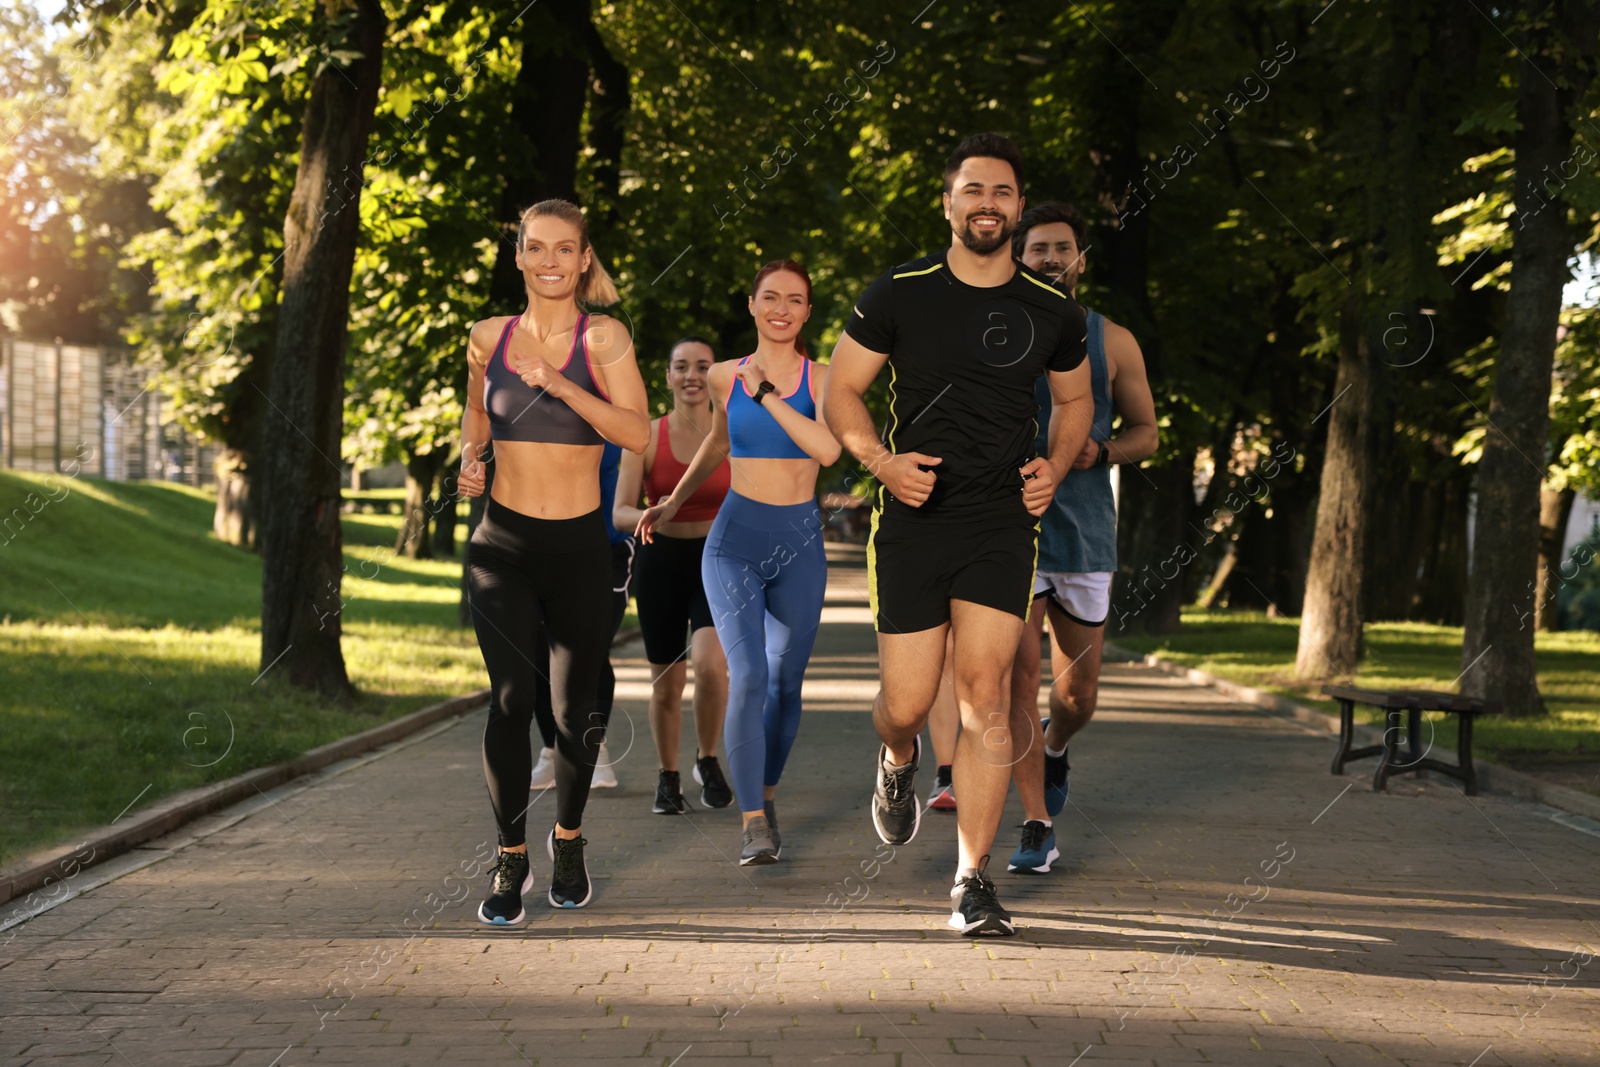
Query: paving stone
[(250, 947)]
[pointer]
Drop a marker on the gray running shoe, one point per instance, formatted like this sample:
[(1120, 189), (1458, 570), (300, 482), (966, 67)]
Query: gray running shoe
[(772, 821), (896, 811), (758, 845)]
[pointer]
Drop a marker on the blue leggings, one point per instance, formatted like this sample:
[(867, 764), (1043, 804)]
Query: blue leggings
[(765, 573)]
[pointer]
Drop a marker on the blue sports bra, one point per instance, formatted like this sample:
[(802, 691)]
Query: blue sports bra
[(518, 412), (752, 431)]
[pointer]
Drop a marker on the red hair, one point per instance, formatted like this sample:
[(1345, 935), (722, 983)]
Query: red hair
[(793, 268)]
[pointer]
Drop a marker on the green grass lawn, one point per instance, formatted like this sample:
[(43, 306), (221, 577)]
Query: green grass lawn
[(1250, 648), (130, 641)]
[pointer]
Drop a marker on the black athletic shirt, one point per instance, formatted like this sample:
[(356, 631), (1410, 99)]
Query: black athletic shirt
[(963, 361)]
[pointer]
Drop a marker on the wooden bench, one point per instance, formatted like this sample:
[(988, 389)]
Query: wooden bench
[(1413, 702)]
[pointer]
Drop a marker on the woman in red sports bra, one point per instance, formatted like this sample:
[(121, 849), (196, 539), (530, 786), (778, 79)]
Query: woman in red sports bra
[(671, 596)]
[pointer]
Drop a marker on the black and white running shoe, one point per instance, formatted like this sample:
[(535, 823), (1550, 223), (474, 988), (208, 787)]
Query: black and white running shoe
[(758, 845), (569, 886), (714, 791), (975, 910), (669, 795), (509, 878), (771, 808), (896, 811)]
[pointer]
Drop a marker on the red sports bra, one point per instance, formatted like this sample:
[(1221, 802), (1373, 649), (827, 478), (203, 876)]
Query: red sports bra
[(665, 473)]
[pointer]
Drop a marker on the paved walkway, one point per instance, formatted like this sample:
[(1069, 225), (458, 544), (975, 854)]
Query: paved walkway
[(331, 922)]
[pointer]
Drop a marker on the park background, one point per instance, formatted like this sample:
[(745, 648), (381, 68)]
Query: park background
[(241, 245)]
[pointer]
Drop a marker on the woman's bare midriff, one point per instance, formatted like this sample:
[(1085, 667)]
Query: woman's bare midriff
[(775, 481), (546, 481), (685, 530)]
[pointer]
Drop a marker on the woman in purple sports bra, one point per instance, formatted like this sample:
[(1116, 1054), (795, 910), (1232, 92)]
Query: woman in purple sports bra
[(763, 564), (548, 387)]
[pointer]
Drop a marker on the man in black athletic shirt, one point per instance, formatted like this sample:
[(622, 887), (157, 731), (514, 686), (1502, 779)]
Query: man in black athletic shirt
[(966, 333)]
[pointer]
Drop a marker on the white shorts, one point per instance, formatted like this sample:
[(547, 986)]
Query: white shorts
[(1085, 598)]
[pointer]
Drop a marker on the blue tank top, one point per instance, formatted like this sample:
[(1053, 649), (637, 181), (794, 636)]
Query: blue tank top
[(1078, 532), (752, 431), (520, 413), (610, 465)]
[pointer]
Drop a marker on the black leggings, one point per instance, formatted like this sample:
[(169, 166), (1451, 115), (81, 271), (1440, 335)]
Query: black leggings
[(524, 573), (621, 575)]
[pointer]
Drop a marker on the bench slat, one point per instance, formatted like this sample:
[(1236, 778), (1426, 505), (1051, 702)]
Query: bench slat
[(1421, 699)]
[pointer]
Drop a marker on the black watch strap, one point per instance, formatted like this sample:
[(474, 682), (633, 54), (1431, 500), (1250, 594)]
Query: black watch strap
[(762, 390), (1105, 456)]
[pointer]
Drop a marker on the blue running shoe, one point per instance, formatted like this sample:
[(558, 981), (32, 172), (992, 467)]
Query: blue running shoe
[(1037, 851)]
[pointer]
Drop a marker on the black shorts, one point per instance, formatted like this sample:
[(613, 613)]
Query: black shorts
[(672, 597), (914, 570)]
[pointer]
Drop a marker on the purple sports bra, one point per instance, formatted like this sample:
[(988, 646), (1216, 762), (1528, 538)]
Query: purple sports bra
[(518, 412)]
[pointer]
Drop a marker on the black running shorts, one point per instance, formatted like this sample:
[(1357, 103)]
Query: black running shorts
[(914, 570), (672, 600)]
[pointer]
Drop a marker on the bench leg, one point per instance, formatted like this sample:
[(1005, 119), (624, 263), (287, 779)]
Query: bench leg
[(1347, 731), (1391, 733), (1469, 773)]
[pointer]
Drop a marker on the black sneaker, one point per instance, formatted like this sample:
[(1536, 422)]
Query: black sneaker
[(772, 823), (714, 791), (569, 886), (509, 878), (896, 811), (758, 846), (974, 909), (669, 795)]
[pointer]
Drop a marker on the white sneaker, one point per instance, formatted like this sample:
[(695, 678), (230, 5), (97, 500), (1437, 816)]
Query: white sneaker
[(544, 772), (604, 776)]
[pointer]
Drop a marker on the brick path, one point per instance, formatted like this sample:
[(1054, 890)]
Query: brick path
[(330, 922)]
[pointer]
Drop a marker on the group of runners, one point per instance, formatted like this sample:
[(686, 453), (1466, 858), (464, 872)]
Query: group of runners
[(993, 511)]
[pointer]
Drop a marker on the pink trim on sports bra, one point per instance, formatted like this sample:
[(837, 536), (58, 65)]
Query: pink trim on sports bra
[(577, 333)]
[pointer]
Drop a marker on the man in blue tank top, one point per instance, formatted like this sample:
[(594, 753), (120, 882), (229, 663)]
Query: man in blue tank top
[(1077, 543)]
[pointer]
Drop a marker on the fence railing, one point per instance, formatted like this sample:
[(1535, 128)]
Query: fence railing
[(62, 403)]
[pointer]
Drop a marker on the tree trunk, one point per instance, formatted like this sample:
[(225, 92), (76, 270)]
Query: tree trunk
[(1497, 656), (421, 472), (1441, 588), (608, 113), (1330, 622), (1153, 531), (235, 521), (543, 140), (444, 509), (300, 535), (1555, 509), (1154, 542)]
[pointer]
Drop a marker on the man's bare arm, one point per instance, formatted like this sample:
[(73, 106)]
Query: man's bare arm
[(1131, 399)]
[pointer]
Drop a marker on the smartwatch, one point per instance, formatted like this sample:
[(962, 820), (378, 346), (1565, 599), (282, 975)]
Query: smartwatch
[(764, 388), (1103, 460)]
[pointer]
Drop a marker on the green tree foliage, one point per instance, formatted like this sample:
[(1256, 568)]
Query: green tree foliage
[(1257, 176)]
